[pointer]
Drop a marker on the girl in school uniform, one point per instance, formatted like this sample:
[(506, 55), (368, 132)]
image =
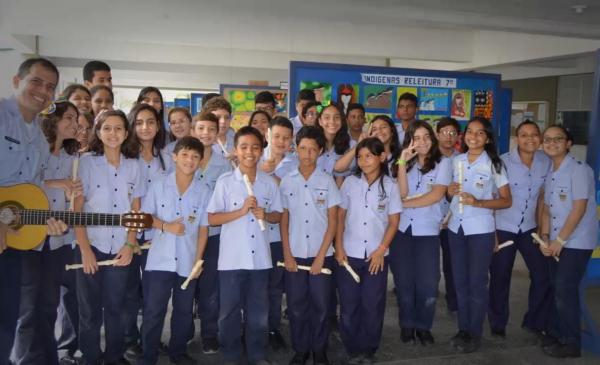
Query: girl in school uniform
[(260, 120), (180, 125), (152, 96), (112, 183), (147, 144), (102, 99), (44, 265), (368, 218), (526, 168), (570, 229), (333, 123), (80, 96), (471, 235), (423, 177)]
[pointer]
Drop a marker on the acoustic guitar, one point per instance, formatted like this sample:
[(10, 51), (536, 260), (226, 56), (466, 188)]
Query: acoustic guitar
[(24, 208)]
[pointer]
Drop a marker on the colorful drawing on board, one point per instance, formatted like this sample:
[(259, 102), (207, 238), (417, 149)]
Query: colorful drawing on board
[(431, 119), (281, 99), (347, 94), (378, 97), (242, 100), (322, 90), (484, 103), (433, 100), (240, 120), (370, 116), (460, 107)]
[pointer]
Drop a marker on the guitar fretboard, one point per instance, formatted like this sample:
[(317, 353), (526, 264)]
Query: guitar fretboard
[(40, 217)]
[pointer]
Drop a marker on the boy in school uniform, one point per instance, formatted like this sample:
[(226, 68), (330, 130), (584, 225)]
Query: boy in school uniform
[(178, 205), (244, 253), (205, 127), (220, 107), (304, 97), (406, 112), (97, 73), (265, 101), (310, 198)]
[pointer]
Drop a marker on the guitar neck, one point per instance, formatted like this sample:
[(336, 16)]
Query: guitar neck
[(40, 217)]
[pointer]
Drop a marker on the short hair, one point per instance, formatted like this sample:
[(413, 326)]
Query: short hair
[(446, 121), (314, 133), (282, 122), (410, 97), (70, 90), (248, 131), (97, 88), (207, 97), (215, 103), (206, 116), (265, 97), (308, 106), (355, 106), (306, 94), (93, 66), (26, 66), (189, 143)]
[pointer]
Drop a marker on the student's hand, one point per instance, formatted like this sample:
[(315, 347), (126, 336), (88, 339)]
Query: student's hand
[(376, 260), (124, 256), (409, 152), (545, 250), (176, 227), (555, 248), (268, 166), (259, 213), (340, 256), (56, 227), (317, 265), (70, 186), (453, 188), (197, 274), (468, 199), (249, 203), (4, 231), (290, 263), (88, 259)]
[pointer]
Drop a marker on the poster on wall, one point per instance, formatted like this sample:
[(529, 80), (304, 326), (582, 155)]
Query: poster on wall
[(241, 98), (461, 95)]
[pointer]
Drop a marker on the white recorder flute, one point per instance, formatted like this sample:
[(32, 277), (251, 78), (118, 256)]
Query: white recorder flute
[(539, 240), (324, 270), (74, 177), (99, 263), (261, 222)]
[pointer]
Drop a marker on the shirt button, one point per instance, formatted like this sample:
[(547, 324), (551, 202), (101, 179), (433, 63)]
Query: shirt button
[(54, 200), (97, 186), (364, 223), (460, 220), (162, 205), (366, 206), (115, 174), (305, 186), (305, 203), (20, 172), (175, 258), (201, 176), (177, 213), (149, 180), (365, 241), (179, 199), (252, 251), (115, 189), (307, 236), (114, 205), (306, 221), (113, 236), (252, 236), (234, 203), (251, 220)]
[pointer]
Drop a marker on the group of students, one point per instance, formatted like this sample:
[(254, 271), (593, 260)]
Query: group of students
[(316, 207)]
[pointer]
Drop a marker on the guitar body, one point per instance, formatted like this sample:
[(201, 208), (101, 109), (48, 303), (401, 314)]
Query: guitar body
[(24, 196)]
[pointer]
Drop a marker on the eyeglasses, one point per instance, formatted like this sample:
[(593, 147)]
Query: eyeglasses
[(448, 133), (548, 140), (268, 108)]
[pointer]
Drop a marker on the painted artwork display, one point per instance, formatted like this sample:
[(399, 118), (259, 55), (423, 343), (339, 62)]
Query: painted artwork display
[(241, 98), (322, 90), (460, 107), (484, 104), (433, 100), (378, 97), (346, 95)]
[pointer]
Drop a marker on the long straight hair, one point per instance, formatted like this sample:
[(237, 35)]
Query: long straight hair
[(490, 147), (341, 140), (158, 143), (376, 147), (395, 149), (433, 156)]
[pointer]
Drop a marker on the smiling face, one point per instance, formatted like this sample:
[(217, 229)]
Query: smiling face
[(528, 138), (146, 126), (447, 137), (187, 161), (422, 141), (66, 128), (555, 142), (81, 100), (308, 152), (311, 116), (281, 139), (101, 101), (35, 91), (153, 99), (475, 137), (206, 132), (180, 125), (224, 120), (113, 132), (381, 129), (84, 131), (330, 121), (369, 163), (261, 123), (248, 151)]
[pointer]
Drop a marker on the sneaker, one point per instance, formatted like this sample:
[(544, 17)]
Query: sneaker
[(460, 339), (184, 359), (355, 359), (472, 345), (407, 335), (68, 360), (425, 337), (320, 358), (276, 340), (300, 358), (133, 353), (562, 351), (210, 345)]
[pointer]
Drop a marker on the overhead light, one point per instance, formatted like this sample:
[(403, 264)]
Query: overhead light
[(578, 9)]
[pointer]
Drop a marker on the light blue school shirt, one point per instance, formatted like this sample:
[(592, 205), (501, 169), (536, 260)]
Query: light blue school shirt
[(307, 202), (328, 158), (367, 213), (525, 186), (170, 252), (152, 171), (480, 179), (574, 180), (296, 123), (109, 189), (444, 203), (229, 136), (425, 221), (217, 166), (243, 245)]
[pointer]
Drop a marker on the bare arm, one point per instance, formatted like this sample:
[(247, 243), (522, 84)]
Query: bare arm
[(434, 196)]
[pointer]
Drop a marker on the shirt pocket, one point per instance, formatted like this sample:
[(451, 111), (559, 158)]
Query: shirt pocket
[(482, 183), (429, 181), (562, 194), (320, 197), (12, 154)]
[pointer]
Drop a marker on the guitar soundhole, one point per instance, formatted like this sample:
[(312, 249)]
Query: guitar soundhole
[(9, 214)]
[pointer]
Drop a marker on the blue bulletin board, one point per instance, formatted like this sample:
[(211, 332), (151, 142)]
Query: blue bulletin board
[(461, 95), (196, 103)]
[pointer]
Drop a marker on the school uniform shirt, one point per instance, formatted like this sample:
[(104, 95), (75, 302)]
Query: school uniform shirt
[(425, 221), (367, 213), (217, 166), (444, 203), (481, 180), (58, 167), (297, 123), (327, 160), (285, 166), (109, 189), (308, 202), (170, 147), (401, 133), (170, 252), (229, 136), (243, 245), (23, 148), (525, 186), (152, 171), (574, 180)]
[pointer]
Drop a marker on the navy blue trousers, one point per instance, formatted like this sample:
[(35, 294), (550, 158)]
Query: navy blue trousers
[(10, 288), (450, 295), (40, 292), (207, 290), (308, 302), (103, 290), (565, 276), (160, 287), (247, 289), (276, 287), (471, 258), (68, 312), (362, 306), (415, 263), (540, 293), (134, 297)]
